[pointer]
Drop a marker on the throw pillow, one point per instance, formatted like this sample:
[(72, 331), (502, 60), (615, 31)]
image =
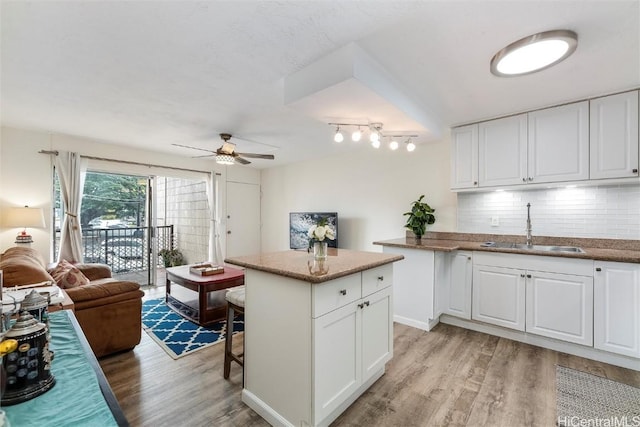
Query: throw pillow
[(68, 276)]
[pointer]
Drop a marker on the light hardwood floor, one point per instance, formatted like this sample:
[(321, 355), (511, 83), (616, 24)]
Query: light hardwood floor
[(447, 377)]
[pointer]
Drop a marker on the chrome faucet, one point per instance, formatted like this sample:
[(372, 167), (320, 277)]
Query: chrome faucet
[(529, 237)]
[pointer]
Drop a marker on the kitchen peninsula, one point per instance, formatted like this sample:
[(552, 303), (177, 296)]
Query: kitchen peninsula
[(318, 333)]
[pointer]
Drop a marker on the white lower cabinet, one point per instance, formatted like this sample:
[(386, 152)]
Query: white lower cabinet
[(351, 344), (560, 306), (548, 296), (457, 295), (311, 349), (499, 296), (617, 307)]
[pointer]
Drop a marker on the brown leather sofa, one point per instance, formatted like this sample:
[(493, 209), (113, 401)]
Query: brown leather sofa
[(108, 310)]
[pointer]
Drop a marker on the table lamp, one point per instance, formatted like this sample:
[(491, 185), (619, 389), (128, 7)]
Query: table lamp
[(24, 217)]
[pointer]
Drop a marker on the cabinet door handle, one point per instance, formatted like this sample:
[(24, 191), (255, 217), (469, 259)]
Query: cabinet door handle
[(598, 269), (522, 275), (530, 178), (528, 276), (524, 179), (475, 182), (360, 305), (381, 278), (635, 171), (343, 291), (469, 258), (366, 303)]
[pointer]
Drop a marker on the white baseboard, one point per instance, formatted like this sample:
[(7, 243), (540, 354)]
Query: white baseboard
[(264, 410), (425, 326), (540, 341), (275, 419)]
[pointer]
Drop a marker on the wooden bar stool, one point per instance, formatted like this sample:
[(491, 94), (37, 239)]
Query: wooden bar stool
[(235, 305)]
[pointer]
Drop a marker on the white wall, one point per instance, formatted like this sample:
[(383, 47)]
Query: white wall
[(26, 175), (611, 211), (370, 189)]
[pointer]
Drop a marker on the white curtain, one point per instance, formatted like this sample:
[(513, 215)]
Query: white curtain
[(71, 171), (213, 194)]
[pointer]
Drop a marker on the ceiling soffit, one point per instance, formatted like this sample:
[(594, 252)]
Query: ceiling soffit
[(349, 86)]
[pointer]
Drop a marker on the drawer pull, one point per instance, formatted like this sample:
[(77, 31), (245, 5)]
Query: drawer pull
[(598, 269), (343, 291), (381, 278)]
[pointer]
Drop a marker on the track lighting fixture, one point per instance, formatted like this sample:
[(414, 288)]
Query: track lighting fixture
[(356, 135), (375, 135), (410, 145)]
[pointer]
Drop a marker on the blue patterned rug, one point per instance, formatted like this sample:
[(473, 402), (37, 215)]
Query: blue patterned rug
[(178, 336)]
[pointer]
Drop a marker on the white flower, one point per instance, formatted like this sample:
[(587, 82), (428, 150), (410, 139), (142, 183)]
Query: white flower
[(321, 232)]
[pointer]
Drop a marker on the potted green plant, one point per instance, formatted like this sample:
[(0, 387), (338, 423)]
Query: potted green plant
[(172, 257), (420, 216)]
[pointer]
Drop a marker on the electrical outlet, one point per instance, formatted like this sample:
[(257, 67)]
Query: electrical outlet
[(495, 221)]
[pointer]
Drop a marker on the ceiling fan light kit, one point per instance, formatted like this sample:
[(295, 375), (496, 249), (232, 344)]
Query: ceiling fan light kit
[(376, 135), (534, 53), (227, 155)]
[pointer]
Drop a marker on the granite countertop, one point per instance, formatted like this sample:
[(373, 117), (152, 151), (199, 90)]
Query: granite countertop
[(597, 249), (301, 265)]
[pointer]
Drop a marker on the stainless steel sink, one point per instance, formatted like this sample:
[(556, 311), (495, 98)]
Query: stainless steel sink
[(542, 248)]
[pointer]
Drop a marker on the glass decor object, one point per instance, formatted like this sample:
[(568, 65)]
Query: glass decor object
[(320, 250)]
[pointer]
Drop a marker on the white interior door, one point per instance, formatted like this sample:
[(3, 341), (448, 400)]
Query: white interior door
[(243, 219)]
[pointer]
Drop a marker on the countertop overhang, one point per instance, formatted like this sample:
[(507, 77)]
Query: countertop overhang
[(596, 249), (301, 265)]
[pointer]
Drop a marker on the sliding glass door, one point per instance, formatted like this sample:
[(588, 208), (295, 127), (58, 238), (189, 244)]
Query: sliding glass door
[(140, 224)]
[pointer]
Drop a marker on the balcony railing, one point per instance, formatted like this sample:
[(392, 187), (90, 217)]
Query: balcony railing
[(126, 249)]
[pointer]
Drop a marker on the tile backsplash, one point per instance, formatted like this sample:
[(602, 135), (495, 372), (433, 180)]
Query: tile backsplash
[(611, 212)]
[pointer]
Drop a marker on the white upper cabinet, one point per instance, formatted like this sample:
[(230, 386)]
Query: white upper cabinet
[(614, 136), (464, 157), (558, 143), (502, 150)]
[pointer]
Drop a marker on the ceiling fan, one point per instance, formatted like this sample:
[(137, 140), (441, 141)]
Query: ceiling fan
[(226, 155)]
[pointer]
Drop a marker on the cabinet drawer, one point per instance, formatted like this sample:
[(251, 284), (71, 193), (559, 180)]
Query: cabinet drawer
[(334, 294), (376, 278)]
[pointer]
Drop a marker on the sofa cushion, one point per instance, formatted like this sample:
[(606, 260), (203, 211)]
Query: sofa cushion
[(68, 276), (23, 266)]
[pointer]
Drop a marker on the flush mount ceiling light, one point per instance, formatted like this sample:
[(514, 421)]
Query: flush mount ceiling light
[(225, 159), (376, 135), (534, 53)]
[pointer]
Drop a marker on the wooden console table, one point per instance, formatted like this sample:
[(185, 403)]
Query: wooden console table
[(81, 395)]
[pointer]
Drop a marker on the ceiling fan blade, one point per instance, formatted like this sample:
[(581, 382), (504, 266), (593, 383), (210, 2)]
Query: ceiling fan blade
[(257, 156), (241, 160), (204, 155), (193, 148)]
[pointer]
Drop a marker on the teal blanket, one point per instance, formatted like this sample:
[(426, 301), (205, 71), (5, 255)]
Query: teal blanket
[(75, 399)]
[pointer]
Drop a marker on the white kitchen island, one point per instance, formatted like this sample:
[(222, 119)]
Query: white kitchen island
[(317, 334)]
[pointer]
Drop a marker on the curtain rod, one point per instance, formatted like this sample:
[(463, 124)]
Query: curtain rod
[(55, 153)]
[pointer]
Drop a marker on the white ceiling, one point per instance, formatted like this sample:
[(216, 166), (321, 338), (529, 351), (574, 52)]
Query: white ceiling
[(151, 74)]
